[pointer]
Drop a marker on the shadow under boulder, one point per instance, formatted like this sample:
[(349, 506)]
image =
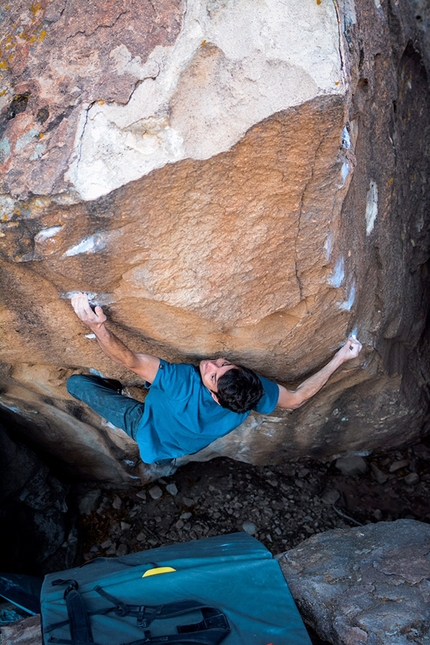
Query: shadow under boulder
[(38, 527)]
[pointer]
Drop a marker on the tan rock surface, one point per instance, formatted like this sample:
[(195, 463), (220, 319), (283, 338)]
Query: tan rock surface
[(312, 225)]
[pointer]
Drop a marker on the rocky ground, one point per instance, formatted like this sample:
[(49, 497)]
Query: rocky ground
[(279, 505)]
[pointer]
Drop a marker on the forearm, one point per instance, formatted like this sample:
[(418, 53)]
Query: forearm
[(113, 347), (314, 383), (291, 400)]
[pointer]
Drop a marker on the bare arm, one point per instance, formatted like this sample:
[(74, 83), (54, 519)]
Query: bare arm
[(143, 364), (293, 399)]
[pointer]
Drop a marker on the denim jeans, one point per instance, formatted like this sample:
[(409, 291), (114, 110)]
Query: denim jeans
[(121, 411)]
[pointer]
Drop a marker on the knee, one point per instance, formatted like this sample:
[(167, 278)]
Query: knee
[(75, 384)]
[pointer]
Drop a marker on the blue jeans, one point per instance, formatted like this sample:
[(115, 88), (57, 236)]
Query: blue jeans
[(121, 411)]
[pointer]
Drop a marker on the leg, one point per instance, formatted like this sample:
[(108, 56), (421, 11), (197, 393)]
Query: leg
[(121, 411)]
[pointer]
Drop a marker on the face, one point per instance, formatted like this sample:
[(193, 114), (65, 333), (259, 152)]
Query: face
[(212, 370)]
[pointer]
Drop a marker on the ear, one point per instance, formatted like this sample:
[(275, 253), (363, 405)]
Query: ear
[(215, 398)]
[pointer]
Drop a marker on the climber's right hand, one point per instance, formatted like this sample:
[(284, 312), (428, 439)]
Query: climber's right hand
[(85, 312)]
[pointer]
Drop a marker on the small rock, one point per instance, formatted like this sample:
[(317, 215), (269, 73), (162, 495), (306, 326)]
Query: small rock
[(142, 495), (121, 550), (117, 503), (172, 489), (330, 497), (421, 451), (105, 545), (188, 501), (88, 503), (353, 465), (105, 504), (185, 516), (412, 478), (249, 527), (134, 511), (380, 477), (397, 465), (114, 529), (140, 537), (155, 492), (125, 526)]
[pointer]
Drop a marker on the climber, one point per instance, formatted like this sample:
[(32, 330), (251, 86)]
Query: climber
[(187, 407)]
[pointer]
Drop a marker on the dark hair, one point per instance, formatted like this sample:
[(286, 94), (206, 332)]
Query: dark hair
[(239, 389)]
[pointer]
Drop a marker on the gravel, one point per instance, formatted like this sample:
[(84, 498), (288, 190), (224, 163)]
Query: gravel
[(280, 505)]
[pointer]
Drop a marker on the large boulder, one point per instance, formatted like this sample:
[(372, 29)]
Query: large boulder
[(227, 179), (364, 586)]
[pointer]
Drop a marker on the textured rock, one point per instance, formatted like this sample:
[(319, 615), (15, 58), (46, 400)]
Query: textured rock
[(108, 94), (367, 585), (24, 632), (280, 202)]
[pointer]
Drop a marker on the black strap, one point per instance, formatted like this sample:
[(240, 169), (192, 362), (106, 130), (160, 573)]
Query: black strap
[(145, 614), (212, 619), (210, 631), (80, 628)]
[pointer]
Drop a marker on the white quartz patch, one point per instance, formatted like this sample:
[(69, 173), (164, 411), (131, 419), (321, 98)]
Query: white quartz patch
[(347, 305), (47, 233), (233, 64), (89, 245), (92, 244), (338, 274), (95, 298), (345, 170), (371, 207), (328, 246), (346, 139)]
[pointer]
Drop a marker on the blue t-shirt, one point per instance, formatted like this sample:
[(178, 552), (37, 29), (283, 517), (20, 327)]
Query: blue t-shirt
[(181, 417)]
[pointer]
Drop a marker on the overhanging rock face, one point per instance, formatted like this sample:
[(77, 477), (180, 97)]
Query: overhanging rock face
[(227, 181)]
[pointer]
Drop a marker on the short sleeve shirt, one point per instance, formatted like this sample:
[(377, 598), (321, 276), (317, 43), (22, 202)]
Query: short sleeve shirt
[(180, 416)]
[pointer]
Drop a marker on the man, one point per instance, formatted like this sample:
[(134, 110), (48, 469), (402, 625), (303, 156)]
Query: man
[(187, 407)]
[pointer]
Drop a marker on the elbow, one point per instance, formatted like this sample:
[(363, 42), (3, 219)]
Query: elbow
[(297, 405), (298, 400), (291, 404)]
